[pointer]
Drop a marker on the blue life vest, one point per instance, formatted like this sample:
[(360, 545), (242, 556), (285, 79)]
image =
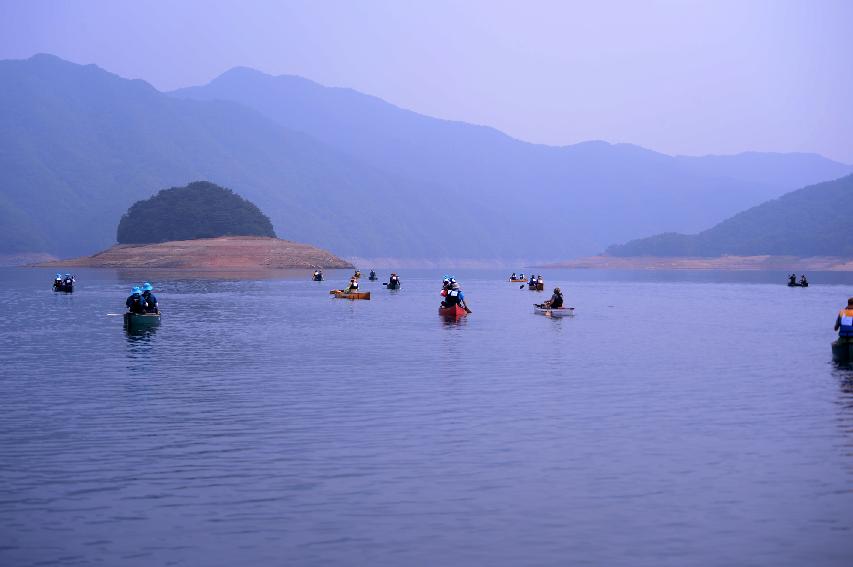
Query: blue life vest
[(454, 296), (846, 328)]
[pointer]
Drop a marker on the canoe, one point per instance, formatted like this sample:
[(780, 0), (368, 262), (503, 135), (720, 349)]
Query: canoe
[(64, 289), (842, 351), (798, 285), (137, 320), (455, 311), (395, 286), (535, 286), (318, 279), (340, 294), (373, 278), (518, 280), (548, 312)]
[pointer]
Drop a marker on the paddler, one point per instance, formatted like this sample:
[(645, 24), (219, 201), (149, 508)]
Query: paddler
[(353, 284), (135, 303), (803, 281), (393, 281), (318, 275), (454, 296), (512, 277), (792, 279), (149, 298), (556, 301), (844, 322), (57, 282)]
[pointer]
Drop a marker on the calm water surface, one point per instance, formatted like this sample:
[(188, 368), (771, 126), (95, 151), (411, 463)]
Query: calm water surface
[(678, 419)]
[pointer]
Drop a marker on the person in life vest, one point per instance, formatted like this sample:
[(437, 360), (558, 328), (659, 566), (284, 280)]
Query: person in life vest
[(512, 277), (353, 285), (57, 282), (135, 303), (394, 281), (69, 281), (556, 301), (318, 275), (792, 279), (148, 297), (445, 284), (803, 281), (844, 322), (454, 296)]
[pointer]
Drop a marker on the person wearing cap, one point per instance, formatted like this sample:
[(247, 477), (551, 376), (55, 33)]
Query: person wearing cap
[(149, 298), (135, 303), (556, 301), (454, 296), (844, 322)]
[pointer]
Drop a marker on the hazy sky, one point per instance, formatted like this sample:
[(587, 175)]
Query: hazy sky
[(675, 76)]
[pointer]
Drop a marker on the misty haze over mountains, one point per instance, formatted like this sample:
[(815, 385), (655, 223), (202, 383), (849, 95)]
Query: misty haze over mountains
[(343, 170)]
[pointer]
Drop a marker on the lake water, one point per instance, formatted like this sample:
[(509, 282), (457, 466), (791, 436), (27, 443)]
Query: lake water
[(678, 419)]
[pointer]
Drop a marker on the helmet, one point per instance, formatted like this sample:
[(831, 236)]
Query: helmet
[(147, 287), (67, 275), (59, 276), (135, 290)]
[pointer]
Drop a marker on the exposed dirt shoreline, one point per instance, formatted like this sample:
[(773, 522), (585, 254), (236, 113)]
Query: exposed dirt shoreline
[(238, 253), (784, 263)]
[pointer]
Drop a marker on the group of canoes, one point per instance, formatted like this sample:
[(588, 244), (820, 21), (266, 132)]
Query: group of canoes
[(64, 283), (792, 281)]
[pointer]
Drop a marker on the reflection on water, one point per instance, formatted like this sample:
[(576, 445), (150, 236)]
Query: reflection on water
[(678, 419)]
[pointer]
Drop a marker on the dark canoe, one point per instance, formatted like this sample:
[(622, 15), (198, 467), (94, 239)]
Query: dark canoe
[(64, 288), (454, 311), (140, 320), (373, 278), (536, 286), (842, 351), (394, 286), (798, 284), (318, 278)]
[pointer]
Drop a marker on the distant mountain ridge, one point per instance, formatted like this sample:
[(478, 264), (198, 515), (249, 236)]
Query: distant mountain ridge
[(342, 170), (812, 221)]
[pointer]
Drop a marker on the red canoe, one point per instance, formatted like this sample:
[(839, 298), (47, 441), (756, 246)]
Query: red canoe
[(454, 311)]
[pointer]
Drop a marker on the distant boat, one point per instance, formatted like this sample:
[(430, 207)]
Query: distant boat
[(549, 312), (341, 294)]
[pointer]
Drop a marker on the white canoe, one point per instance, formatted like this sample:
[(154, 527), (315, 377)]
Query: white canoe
[(561, 312)]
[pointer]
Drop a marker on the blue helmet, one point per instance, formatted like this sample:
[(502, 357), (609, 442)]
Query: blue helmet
[(147, 287), (135, 290), (59, 276)]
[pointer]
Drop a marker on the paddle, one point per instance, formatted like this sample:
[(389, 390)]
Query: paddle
[(521, 286)]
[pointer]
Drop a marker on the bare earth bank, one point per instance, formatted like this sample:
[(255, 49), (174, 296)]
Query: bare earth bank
[(784, 263), (245, 253)]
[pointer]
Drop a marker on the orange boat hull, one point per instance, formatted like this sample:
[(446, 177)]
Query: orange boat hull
[(454, 311)]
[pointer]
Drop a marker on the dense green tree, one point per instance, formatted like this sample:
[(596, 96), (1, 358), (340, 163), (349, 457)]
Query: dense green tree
[(199, 210)]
